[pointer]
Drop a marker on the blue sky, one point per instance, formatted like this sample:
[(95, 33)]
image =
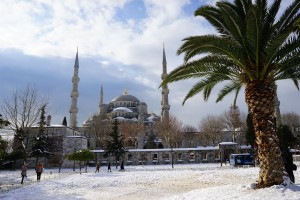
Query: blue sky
[(120, 46)]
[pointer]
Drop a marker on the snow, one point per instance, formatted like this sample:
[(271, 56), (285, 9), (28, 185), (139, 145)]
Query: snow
[(227, 143), (184, 182), (75, 136)]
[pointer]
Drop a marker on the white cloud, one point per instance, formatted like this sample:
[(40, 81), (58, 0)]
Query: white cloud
[(56, 28), (129, 49)]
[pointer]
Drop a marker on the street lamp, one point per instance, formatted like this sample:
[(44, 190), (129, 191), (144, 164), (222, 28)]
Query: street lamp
[(74, 160)]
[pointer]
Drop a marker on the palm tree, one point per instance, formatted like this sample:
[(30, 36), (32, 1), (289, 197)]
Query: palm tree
[(253, 49)]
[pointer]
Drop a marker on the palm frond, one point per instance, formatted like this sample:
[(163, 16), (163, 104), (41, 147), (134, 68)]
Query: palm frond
[(296, 83), (204, 67), (212, 14), (268, 28), (251, 46), (197, 45), (233, 20), (205, 85), (289, 15), (237, 91), (227, 89)]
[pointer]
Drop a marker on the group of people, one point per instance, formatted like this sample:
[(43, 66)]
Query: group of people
[(98, 167), (38, 169), (109, 167), (286, 156)]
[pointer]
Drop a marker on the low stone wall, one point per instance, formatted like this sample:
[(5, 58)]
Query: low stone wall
[(161, 156)]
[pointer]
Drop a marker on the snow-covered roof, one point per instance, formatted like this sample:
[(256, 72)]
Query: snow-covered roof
[(227, 143), (122, 109), (207, 147), (52, 125), (120, 118), (166, 149), (152, 117), (245, 146), (56, 125), (75, 136), (294, 150)]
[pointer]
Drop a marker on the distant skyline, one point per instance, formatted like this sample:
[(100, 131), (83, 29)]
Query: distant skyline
[(120, 45)]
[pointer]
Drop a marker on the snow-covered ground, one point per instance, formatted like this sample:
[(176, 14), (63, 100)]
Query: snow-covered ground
[(197, 181)]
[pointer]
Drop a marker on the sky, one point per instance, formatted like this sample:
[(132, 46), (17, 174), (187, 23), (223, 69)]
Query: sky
[(151, 182), (120, 45)]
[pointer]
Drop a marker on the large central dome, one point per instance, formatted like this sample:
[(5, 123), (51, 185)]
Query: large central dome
[(125, 97)]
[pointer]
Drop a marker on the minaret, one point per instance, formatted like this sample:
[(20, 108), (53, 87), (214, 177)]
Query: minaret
[(74, 95), (101, 98), (277, 108), (165, 107)]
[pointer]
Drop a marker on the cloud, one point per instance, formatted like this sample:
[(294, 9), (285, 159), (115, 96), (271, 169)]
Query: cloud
[(120, 45)]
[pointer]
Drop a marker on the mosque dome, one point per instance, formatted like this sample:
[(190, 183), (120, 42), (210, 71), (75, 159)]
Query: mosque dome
[(126, 97)]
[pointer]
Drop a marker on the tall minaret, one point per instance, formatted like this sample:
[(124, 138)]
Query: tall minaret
[(277, 109), (74, 95), (165, 107), (101, 98)]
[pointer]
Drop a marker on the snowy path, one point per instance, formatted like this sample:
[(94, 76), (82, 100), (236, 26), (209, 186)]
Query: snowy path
[(204, 181)]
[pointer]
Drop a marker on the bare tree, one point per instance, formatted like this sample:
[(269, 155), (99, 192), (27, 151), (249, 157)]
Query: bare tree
[(189, 128), (292, 120), (131, 132), (170, 130), (191, 136), (99, 129), (211, 128), (22, 111)]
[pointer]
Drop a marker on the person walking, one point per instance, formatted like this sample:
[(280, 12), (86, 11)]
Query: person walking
[(39, 170), (122, 167), (23, 172), (288, 163), (97, 167), (108, 167)]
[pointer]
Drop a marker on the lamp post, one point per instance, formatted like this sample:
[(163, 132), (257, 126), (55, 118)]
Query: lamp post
[(74, 161)]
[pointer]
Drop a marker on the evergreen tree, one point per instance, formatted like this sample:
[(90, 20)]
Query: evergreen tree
[(115, 144), (64, 123), (3, 147), (3, 122), (16, 154), (286, 137), (40, 142), (150, 144)]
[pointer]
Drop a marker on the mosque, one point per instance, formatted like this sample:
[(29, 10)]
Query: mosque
[(126, 108)]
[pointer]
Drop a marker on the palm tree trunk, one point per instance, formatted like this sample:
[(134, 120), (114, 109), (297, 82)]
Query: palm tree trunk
[(260, 99)]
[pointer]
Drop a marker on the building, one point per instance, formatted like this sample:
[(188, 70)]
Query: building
[(127, 109), (136, 123)]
